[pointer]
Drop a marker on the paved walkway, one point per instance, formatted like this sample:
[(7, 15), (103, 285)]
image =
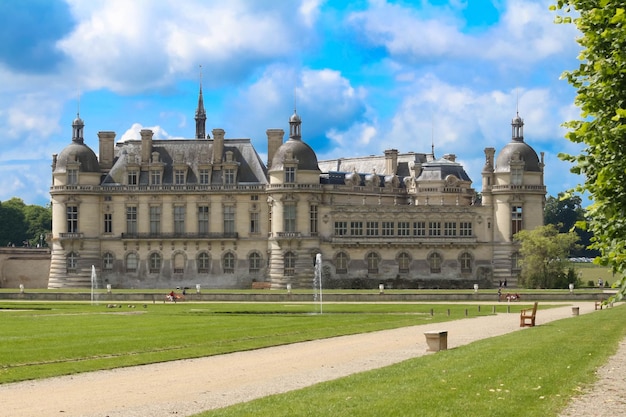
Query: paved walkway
[(187, 387)]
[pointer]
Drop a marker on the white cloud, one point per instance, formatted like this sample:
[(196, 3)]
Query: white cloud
[(133, 133)]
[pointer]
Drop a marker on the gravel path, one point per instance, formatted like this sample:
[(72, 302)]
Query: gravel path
[(187, 387)]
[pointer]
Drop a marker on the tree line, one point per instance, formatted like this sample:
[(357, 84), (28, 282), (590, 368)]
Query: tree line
[(23, 225)]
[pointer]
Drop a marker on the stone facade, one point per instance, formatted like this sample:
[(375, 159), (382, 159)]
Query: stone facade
[(207, 211)]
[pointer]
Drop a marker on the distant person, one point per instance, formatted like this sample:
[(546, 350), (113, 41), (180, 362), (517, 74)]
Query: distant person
[(600, 283)]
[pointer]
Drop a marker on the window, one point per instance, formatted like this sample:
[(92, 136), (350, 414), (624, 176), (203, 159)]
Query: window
[(72, 176), (204, 176), (289, 217), (155, 220), (229, 220), (290, 264), (131, 262), (107, 261), (155, 263), (179, 176), (356, 228), (434, 261), (465, 229), (204, 263), (203, 219), (372, 262), (516, 175), (229, 176), (388, 228), (131, 220), (371, 228), (108, 223), (419, 228), (515, 262), (254, 223), (466, 262), (341, 228), (72, 219), (71, 263), (434, 228), (179, 220), (313, 222), (229, 263), (254, 197), (404, 229), (179, 263), (290, 175), (341, 263), (254, 263), (155, 177), (516, 219), (404, 261), (133, 177), (449, 228)]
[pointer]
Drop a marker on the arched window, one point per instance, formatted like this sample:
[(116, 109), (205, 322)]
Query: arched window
[(71, 263), (204, 263), (466, 262), (131, 262), (341, 263), (404, 262), (254, 263), (372, 262), (290, 264), (155, 263), (228, 261), (107, 261), (434, 261)]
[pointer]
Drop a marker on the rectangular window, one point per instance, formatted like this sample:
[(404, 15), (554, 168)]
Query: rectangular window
[(204, 176), (449, 228), (155, 220), (229, 176), (179, 220), (72, 176), (72, 219), (255, 227), (203, 219), (516, 219), (108, 223), (290, 175), (371, 228), (133, 177), (465, 229), (404, 229), (289, 217), (179, 177), (516, 176), (229, 220), (356, 228), (155, 177), (434, 228), (313, 219), (388, 228), (419, 228), (131, 220), (341, 228)]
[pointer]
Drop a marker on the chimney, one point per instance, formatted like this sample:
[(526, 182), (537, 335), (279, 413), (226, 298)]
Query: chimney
[(146, 145), (218, 146), (391, 161), (107, 148), (274, 140)]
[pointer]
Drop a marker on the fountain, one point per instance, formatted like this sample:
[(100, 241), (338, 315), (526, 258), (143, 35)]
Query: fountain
[(94, 283), (317, 281)]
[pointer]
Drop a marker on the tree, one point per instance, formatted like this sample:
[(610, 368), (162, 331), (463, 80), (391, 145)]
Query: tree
[(12, 222), (544, 257), (600, 81), (565, 211)]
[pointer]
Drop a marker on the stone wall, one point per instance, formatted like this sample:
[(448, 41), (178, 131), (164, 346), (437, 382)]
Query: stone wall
[(26, 266)]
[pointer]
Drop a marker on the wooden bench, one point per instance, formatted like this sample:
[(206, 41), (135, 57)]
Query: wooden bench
[(527, 317), (261, 285)]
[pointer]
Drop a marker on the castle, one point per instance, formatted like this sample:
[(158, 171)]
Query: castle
[(208, 211)]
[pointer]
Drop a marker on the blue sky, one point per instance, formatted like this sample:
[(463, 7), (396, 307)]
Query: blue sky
[(366, 76)]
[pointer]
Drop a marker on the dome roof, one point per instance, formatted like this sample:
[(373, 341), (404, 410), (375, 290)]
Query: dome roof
[(295, 118), (77, 152), (525, 152), (295, 150)]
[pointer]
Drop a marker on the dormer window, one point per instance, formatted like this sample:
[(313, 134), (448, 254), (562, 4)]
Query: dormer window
[(516, 175), (133, 177), (72, 176), (155, 177), (290, 175), (179, 176), (229, 176)]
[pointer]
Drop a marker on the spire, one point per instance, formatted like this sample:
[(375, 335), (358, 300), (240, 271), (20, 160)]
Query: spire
[(295, 122), (517, 128), (77, 129), (200, 113)]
